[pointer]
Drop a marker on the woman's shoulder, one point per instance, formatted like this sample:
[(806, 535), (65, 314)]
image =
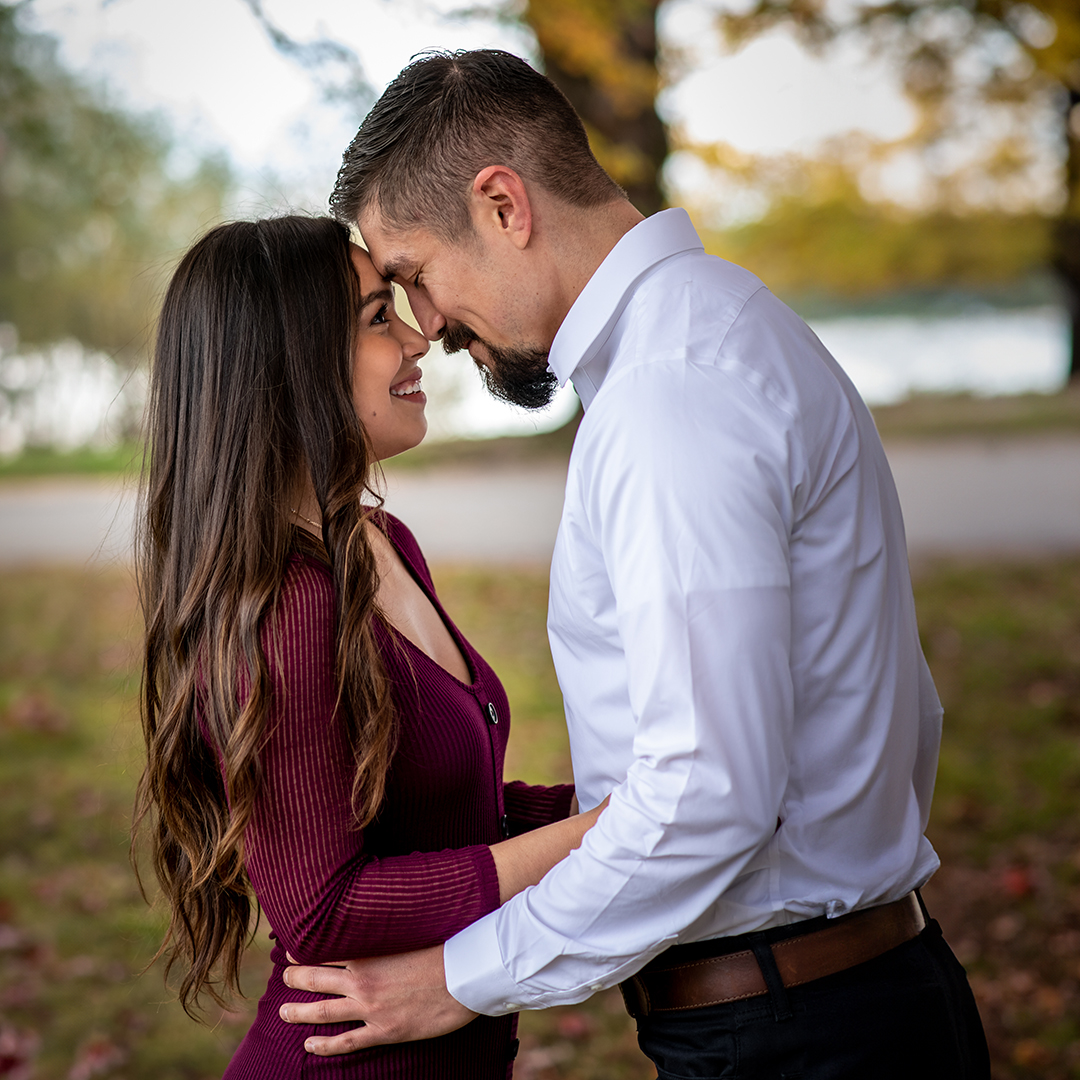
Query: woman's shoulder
[(307, 588), (406, 544)]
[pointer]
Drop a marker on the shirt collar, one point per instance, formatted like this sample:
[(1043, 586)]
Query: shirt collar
[(576, 353)]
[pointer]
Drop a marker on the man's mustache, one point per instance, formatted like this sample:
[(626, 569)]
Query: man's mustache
[(457, 337)]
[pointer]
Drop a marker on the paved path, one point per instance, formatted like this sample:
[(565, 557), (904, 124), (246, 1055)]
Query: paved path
[(959, 497), (989, 496), (64, 521)]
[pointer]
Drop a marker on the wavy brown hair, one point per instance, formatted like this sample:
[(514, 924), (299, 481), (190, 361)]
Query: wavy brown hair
[(250, 394)]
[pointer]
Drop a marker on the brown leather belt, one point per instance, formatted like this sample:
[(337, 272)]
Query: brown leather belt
[(852, 939)]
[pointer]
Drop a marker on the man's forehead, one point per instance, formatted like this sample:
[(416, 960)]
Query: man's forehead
[(398, 252), (395, 257)]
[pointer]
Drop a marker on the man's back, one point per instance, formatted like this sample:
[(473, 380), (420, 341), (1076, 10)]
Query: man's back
[(731, 619)]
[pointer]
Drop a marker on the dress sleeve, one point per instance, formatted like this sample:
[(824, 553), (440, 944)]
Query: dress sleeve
[(324, 896), (529, 806)]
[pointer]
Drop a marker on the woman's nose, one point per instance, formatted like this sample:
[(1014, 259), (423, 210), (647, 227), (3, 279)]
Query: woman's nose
[(414, 345)]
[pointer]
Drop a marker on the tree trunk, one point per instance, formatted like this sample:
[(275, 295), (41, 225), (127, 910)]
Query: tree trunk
[(1066, 236), (613, 88), (1066, 240)]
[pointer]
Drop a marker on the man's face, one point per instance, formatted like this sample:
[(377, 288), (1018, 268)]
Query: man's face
[(470, 296)]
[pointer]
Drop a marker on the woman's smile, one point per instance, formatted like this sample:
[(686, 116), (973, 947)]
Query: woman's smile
[(409, 388)]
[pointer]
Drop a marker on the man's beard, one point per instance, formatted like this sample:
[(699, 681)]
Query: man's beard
[(519, 375)]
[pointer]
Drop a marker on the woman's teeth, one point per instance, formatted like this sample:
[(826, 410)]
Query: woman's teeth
[(406, 388)]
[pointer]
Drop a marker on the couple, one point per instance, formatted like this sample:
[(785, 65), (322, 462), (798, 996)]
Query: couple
[(730, 617)]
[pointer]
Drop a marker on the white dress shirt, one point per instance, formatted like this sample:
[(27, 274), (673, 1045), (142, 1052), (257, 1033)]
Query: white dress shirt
[(733, 628)]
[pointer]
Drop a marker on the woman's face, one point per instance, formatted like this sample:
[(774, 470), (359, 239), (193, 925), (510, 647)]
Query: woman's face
[(385, 378)]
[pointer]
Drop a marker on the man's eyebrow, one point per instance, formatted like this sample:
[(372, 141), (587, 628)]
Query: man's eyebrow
[(397, 268), (383, 294)]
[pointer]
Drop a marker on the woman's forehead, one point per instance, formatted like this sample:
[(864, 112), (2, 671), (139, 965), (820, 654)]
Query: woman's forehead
[(361, 260)]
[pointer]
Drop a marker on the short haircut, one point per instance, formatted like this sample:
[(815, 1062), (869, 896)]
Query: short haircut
[(447, 116)]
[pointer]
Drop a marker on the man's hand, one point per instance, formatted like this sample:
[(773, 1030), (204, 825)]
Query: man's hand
[(397, 998)]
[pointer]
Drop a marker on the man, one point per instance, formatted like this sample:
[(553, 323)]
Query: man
[(730, 616)]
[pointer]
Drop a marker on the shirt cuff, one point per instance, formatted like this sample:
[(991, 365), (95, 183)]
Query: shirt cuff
[(475, 974)]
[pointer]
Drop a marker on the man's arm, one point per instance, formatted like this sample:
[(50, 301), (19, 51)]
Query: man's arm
[(683, 504), (402, 998)]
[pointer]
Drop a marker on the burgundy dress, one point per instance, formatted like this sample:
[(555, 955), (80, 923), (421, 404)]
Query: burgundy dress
[(410, 880)]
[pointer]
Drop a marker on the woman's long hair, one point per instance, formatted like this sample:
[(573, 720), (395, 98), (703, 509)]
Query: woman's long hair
[(251, 391)]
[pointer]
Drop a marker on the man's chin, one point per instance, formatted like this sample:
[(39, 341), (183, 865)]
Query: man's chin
[(529, 386), (516, 374)]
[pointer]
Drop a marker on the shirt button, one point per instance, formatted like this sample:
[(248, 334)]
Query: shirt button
[(493, 716), (594, 987), (511, 1006)]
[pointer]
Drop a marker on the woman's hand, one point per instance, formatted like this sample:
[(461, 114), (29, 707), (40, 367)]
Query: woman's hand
[(523, 860)]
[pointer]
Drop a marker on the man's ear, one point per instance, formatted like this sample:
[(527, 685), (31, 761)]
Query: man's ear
[(500, 204)]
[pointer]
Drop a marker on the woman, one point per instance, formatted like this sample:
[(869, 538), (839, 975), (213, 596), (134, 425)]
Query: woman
[(317, 729)]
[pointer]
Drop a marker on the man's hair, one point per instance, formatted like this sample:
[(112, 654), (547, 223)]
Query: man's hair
[(447, 116)]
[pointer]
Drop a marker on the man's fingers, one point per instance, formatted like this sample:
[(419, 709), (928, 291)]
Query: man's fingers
[(345, 1043), (337, 1010), (319, 980)]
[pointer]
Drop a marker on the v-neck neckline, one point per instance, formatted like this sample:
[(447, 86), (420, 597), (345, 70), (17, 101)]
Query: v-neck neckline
[(432, 599)]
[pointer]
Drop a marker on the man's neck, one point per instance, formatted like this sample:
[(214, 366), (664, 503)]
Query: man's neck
[(583, 239)]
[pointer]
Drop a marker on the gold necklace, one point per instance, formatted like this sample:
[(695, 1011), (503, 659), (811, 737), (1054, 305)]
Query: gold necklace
[(316, 524)]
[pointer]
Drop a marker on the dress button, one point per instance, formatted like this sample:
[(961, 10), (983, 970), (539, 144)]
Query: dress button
[(493, 716)]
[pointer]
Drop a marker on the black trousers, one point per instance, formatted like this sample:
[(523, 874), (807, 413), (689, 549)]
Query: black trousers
[(907, 1015)]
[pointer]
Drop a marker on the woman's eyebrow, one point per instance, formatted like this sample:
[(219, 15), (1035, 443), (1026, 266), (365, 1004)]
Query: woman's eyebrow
[(383, 294)]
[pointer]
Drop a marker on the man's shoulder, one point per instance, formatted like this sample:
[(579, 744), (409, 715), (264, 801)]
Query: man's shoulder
[(708, 346), (697, 271)]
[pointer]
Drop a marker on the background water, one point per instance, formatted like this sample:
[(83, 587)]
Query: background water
[(66, 396), (889, 358)]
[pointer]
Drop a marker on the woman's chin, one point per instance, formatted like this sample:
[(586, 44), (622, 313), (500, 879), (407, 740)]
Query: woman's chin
[(402, 445)]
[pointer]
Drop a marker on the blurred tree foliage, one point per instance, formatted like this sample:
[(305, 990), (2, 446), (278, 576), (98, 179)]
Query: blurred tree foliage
[(969, 65), (603, 55), (91, 215), (821, 236), (818, 231), (982, 68)]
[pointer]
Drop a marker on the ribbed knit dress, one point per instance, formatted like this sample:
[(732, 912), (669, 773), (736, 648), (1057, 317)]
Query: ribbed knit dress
[(417, 875)]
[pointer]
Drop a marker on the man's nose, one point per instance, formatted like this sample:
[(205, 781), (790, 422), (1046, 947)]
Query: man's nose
[(432, 324)]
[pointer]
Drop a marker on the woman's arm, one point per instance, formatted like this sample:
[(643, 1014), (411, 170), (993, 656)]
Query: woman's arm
[(528, 806), (523, 860), (324, 894)]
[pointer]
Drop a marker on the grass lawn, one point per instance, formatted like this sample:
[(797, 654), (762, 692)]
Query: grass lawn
[(124, 458), (1003, 641)]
